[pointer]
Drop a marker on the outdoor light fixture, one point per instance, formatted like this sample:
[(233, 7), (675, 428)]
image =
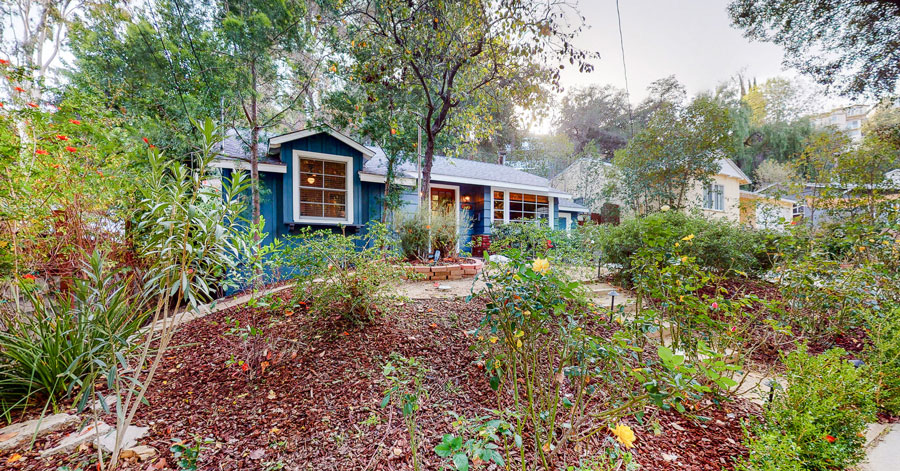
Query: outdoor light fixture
[(467, 198), (311, 180), (612, 304)]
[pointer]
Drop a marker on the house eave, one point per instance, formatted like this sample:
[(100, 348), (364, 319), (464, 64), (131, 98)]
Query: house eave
[(235, 164), (276, 141)]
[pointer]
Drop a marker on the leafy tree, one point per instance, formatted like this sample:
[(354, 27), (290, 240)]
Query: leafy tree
[(772, 171), (778, 100), (679, 147), (596, 113), (544, 155), (661, 93), (852, 45), (451, 54), (885, 122), (158, 68)]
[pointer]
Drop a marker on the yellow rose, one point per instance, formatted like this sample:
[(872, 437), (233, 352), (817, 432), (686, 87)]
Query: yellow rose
[(624, 435), (688, 237), (541, 265)]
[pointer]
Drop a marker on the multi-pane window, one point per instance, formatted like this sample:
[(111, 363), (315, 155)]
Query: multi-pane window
[(524, 206), (714, 197), (499, 202), (798, 210), (323, 189)]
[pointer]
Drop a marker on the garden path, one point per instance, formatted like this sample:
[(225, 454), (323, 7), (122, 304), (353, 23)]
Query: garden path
[(883, 450)]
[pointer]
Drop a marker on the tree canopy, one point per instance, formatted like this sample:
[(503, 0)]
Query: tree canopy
[(852, 46)]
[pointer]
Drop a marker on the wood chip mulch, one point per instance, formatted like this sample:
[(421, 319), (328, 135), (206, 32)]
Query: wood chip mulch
[(317, 405)]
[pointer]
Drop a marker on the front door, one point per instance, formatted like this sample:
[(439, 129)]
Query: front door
[(443, 199)]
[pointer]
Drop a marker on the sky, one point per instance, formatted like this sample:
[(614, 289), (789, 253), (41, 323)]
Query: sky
[(692, 39)]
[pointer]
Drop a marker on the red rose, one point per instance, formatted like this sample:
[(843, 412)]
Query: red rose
[(29, 277), (152, 146), (75, 122), (32, 105), (41, 152), (1, 105), (19, 89), (830, 439), (146, 141), (61, 137), (71, 149), (4, 61)]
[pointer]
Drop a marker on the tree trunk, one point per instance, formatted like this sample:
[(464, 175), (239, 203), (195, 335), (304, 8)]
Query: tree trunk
[(426, 168), (254, 146)]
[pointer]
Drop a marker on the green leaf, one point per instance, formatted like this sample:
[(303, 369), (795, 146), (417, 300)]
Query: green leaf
[(461, 462)]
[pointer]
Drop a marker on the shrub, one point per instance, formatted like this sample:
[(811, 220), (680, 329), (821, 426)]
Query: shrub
[(47, 353), (536, 240), (883, 357), (352, 276), (719, 246), (817, 423), (440, 227)]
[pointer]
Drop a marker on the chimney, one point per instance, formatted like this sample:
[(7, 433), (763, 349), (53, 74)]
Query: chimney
[(501, 157)]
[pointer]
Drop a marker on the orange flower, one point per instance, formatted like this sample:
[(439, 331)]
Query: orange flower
[(75, 122), (4, 61), (830, 439), (62, 137), (19, 89), (32, 105), (71, 149), (41, 152), (146, 141)]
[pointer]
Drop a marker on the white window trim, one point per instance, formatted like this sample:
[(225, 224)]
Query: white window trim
[(706, 189), (348, 161), (507, 191)]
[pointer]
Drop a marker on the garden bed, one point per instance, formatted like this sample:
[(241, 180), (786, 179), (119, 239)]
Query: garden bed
[(317, 404)]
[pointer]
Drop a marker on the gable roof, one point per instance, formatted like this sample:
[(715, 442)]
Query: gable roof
[(568, 205), (456, 170), (728, 168), (276, 141)]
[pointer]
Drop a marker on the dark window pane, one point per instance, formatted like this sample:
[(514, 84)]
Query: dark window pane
[(515, 196), (529, 198), (335, 182), (311, 166), (311, 210), (310, 196), (498, 195), (336, 168), (311, 180), (543, 199), (498, 216), (335, 211), (335, 197)]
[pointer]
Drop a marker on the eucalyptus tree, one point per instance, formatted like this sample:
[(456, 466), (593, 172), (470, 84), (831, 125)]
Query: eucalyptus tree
[(452, 54)]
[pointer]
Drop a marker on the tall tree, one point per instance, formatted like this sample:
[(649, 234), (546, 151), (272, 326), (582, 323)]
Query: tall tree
[(598, 114), (679, 148), (38, 32), (450, 54), (851, 45)]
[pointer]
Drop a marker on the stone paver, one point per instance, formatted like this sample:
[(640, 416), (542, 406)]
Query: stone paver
[(132, 434), (884, 452), (74, 439), (17, 435)]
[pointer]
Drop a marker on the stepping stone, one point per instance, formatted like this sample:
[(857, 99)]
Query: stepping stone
[(132, 434), (74, 439), (17, 435), (142, 453)]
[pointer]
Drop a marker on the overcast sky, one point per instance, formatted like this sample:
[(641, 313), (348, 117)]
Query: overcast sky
[(692, 39)]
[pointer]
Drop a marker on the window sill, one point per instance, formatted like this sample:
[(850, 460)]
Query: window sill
[(714, 210), (322, 222)]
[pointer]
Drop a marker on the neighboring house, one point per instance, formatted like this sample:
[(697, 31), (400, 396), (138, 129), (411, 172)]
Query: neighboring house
[(761, 211), (589, 178), (322, 178), (811, 201), (848, 119)]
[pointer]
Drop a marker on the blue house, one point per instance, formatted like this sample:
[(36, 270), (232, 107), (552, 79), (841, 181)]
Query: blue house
[(324, 179)]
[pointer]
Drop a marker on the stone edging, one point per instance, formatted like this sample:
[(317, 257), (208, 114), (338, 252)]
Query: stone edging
[(467, 269)]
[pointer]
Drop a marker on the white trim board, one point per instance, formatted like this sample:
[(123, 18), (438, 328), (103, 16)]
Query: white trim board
[(538, 190), (295, 187), (234, 164), (276, 141)]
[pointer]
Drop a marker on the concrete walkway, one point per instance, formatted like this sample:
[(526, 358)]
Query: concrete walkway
[(883, 452)]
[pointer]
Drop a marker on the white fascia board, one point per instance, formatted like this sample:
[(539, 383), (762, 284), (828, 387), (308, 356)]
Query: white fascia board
[(241, 165), (375, 178), (278, 140)]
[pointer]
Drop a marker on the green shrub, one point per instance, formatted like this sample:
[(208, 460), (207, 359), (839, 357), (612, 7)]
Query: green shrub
[(54, 351), (883, 357), (537, 240), (351, 276), (719, 246), (414, 231), (817, 423)]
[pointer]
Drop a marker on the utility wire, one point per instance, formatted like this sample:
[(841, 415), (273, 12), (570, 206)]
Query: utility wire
[(625, 70)]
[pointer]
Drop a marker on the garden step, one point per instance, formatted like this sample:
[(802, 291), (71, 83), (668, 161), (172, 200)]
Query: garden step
[(16, 435), (132, 434), (755, 386)]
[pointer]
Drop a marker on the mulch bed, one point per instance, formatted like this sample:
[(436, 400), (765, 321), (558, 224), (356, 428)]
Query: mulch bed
[(317, 405)]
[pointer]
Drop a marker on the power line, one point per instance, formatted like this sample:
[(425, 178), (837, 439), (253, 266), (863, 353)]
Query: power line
[(625, 70)]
